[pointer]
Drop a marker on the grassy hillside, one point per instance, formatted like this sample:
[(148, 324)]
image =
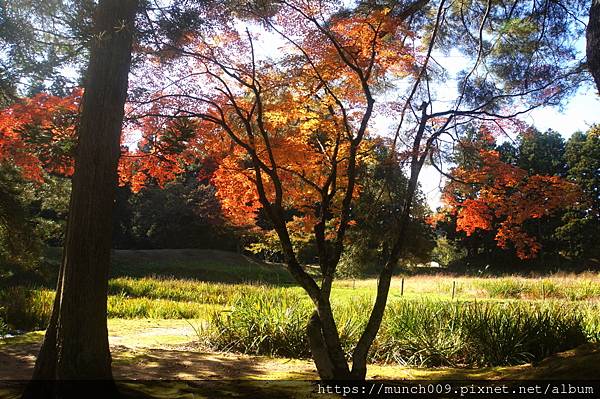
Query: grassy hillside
[(198, 264)]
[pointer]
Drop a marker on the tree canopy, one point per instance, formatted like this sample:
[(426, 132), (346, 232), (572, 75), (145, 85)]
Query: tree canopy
[(309, 109)]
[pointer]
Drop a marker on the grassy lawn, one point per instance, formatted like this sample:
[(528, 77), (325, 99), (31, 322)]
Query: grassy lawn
[(164, 305)]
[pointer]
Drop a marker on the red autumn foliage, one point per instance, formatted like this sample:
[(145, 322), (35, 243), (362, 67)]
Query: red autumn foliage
[(500, 196), (39, 134)]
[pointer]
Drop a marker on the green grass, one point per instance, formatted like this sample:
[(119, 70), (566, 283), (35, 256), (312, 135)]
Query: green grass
[(29, 309), (178, 289), (135, 308), (267, 322), (414, 332), (151, 283), (197, 264), (252, 308), (569, 287), (24, 308)]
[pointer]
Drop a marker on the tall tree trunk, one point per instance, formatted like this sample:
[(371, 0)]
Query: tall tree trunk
[(76, 343), (318, 348), (593, 42), (326, 348)]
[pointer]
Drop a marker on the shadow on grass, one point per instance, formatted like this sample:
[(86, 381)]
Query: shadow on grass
[(198, 264), (162, 373)]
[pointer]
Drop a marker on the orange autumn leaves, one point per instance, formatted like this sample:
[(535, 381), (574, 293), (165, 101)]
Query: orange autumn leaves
[(297, 112), (500, 196), (38, 134), (300, 150), (308, 138)]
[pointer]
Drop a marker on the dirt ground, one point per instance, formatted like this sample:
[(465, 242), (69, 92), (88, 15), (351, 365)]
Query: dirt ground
[(164, 351), (159, 350)]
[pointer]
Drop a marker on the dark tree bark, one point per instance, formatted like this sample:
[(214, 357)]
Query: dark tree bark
[(318, 348), (76, 343), (593, 42)]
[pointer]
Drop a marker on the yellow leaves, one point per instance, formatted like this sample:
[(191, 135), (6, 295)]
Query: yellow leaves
[(276, 118), (309, 126)]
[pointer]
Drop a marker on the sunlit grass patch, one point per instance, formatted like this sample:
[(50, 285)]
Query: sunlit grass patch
[(561, 286), (29, 309), (131, 308), (174, 289), (515, 319)]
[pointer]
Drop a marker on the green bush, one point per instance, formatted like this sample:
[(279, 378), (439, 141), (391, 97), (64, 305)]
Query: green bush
[(514, 333), (437, 333)]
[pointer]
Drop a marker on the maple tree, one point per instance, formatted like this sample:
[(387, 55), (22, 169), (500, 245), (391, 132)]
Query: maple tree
[(37, 139), (289, 131), (288, 135), (37, 135), (489, 194)]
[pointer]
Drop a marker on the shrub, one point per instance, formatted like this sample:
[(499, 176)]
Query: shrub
[(514, 333), (422, 333)]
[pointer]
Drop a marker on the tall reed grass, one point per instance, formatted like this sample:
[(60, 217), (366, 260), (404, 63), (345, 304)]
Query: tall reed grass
[(178, 289), (268, 322), (414, 332), (259, 319)]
